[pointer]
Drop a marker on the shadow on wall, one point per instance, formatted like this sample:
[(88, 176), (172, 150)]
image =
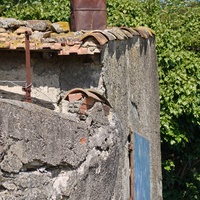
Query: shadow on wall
[(48, 69), (67, 72), (79, 71), (144, 45), (119, 48)]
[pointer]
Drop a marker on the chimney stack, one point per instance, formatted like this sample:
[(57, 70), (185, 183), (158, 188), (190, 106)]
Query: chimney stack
[(88, 15)]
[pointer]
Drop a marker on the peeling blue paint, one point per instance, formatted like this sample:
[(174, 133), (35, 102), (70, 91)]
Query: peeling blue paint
[(141, 168)]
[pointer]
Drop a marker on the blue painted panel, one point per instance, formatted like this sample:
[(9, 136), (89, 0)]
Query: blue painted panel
[(141, 168)]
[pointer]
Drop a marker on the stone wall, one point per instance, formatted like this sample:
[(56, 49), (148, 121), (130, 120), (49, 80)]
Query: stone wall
[(47, 155), (126, 72)]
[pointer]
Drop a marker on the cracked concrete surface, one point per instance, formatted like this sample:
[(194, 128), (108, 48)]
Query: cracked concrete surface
[(47, 155), (126, 72)]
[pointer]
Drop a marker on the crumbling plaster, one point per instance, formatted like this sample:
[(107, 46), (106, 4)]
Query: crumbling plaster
[(125, 71), (48, 155)]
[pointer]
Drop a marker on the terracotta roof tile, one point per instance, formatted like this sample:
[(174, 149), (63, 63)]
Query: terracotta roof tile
[(107, 34), (118, 33), (97, 35), (144, 32), (55, 37)]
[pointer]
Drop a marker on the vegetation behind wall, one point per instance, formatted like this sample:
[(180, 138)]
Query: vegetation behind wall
[(177, 25)]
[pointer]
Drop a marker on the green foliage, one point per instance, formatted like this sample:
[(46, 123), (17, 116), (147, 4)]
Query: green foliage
[(53, 10), (177, 25)]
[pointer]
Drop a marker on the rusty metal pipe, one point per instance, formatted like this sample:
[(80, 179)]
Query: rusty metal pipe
[(131, 157), (27, 88)]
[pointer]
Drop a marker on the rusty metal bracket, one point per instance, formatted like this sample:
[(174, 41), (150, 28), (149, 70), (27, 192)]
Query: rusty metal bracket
[(27, 87), (131, 160)]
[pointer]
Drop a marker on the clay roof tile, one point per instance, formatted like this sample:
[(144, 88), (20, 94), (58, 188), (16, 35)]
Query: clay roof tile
[(45, 37)]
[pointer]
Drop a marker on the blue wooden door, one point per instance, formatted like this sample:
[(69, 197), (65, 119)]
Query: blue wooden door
[(141, 168)]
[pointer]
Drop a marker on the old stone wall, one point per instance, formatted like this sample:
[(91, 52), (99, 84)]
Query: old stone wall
[(126, 72), (47, 155)]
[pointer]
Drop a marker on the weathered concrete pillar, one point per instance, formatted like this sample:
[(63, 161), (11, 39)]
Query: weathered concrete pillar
[(130, 76)]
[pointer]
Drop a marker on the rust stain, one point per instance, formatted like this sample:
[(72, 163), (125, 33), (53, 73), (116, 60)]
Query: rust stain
[(83, 140)]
